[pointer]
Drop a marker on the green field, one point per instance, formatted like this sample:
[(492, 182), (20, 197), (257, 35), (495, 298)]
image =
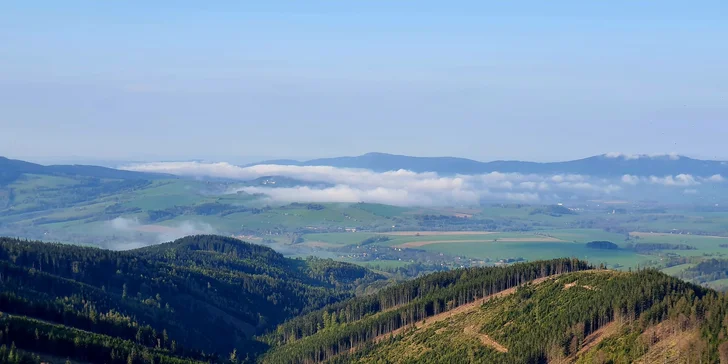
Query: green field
[(493, 247), (677, 269), (704, 244), (381, 264)]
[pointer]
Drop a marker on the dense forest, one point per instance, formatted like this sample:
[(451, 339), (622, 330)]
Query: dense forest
[(200, 297)]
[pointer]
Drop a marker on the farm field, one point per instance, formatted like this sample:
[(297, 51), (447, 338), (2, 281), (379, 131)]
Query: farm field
[(677, 269), (703, 244), (380, 264), (543, 250), (494, 246)]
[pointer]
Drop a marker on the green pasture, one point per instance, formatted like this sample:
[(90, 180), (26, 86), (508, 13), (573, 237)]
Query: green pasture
[(585, 235), (704, 244), (166, 194), (342, 239), (677, 269), (382, 210), (543, 250), (380, 264), (718, 285)]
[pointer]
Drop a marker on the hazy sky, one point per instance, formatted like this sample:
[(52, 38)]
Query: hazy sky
[(538, 80)]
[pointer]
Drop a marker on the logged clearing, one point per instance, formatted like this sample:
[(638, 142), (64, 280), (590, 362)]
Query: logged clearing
[(438, 233), (414, 244), (573, 284), (669, 342), (485, 339), (598, 336), (641, 234), (457, 310)]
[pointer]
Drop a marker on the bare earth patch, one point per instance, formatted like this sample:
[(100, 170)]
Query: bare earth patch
[(438, 233), (573, 284), (414, 244)]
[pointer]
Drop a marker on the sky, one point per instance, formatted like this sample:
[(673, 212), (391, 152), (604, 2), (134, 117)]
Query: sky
[(244, 80)]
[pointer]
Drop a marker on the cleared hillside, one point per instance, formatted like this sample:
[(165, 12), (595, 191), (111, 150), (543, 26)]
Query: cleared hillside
[(592, 316)]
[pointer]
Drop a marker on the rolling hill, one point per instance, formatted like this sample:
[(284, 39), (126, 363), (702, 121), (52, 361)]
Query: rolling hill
[(200, 297), (607, 165), (557, 311), (205, 298), (11, 169)]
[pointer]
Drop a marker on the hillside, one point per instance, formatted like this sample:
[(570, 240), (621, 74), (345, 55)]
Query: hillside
[(559, 316), (607, 165), (200, 294), (11, 169), (216, 299)]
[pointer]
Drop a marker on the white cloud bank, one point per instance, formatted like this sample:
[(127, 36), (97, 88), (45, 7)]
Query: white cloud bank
[(144, 235), (627, 156), (407, 188)]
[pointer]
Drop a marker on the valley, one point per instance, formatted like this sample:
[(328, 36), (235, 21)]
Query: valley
[(125, 209)]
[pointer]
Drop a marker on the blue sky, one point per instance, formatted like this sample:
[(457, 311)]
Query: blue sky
[(234, 80)]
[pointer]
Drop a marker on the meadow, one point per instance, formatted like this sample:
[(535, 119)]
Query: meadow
[(494, 246)]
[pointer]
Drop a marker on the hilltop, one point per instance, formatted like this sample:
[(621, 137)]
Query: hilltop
[(554, 311), (200, 297), (11, 169)]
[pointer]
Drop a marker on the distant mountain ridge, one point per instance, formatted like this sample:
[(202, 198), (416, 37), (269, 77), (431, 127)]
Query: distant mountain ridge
[(11, 169), (607, 165)]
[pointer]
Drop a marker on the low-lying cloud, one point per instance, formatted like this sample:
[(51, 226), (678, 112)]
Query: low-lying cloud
[(627, 156), (680, 180), (407, 188), (133, 234)]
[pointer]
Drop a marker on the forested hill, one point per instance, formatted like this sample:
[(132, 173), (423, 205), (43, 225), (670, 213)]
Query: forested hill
[(554, 311), (217, 299), (199, 294)]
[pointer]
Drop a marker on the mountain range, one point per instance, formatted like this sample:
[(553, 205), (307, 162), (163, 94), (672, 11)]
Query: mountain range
[(11, 169), (607, 165)]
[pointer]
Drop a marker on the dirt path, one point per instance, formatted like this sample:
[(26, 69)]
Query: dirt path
[(485, 339)]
